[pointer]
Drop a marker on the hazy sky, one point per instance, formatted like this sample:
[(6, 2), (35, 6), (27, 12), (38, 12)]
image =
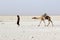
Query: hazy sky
[(29, 7)]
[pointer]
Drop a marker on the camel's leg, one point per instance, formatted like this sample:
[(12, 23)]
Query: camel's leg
[(44, 23), (51, 23), (40, 23), (48, 23)]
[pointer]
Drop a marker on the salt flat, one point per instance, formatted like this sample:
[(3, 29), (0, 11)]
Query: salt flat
[(28, 29)]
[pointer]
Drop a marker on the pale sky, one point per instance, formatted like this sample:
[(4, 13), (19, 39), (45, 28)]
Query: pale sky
[(29, 7)]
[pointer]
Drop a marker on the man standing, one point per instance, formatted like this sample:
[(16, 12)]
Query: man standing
[(18, 20)]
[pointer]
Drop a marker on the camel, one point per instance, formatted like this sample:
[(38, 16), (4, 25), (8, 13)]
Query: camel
[(43, 18)]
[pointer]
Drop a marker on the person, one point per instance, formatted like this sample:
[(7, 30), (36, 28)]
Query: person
[(18, 20)]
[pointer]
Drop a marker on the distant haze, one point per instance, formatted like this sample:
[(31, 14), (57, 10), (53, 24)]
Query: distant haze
[(29, 7)]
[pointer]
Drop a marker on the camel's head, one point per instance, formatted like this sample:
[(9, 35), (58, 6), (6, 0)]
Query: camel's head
[(34, 18)]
